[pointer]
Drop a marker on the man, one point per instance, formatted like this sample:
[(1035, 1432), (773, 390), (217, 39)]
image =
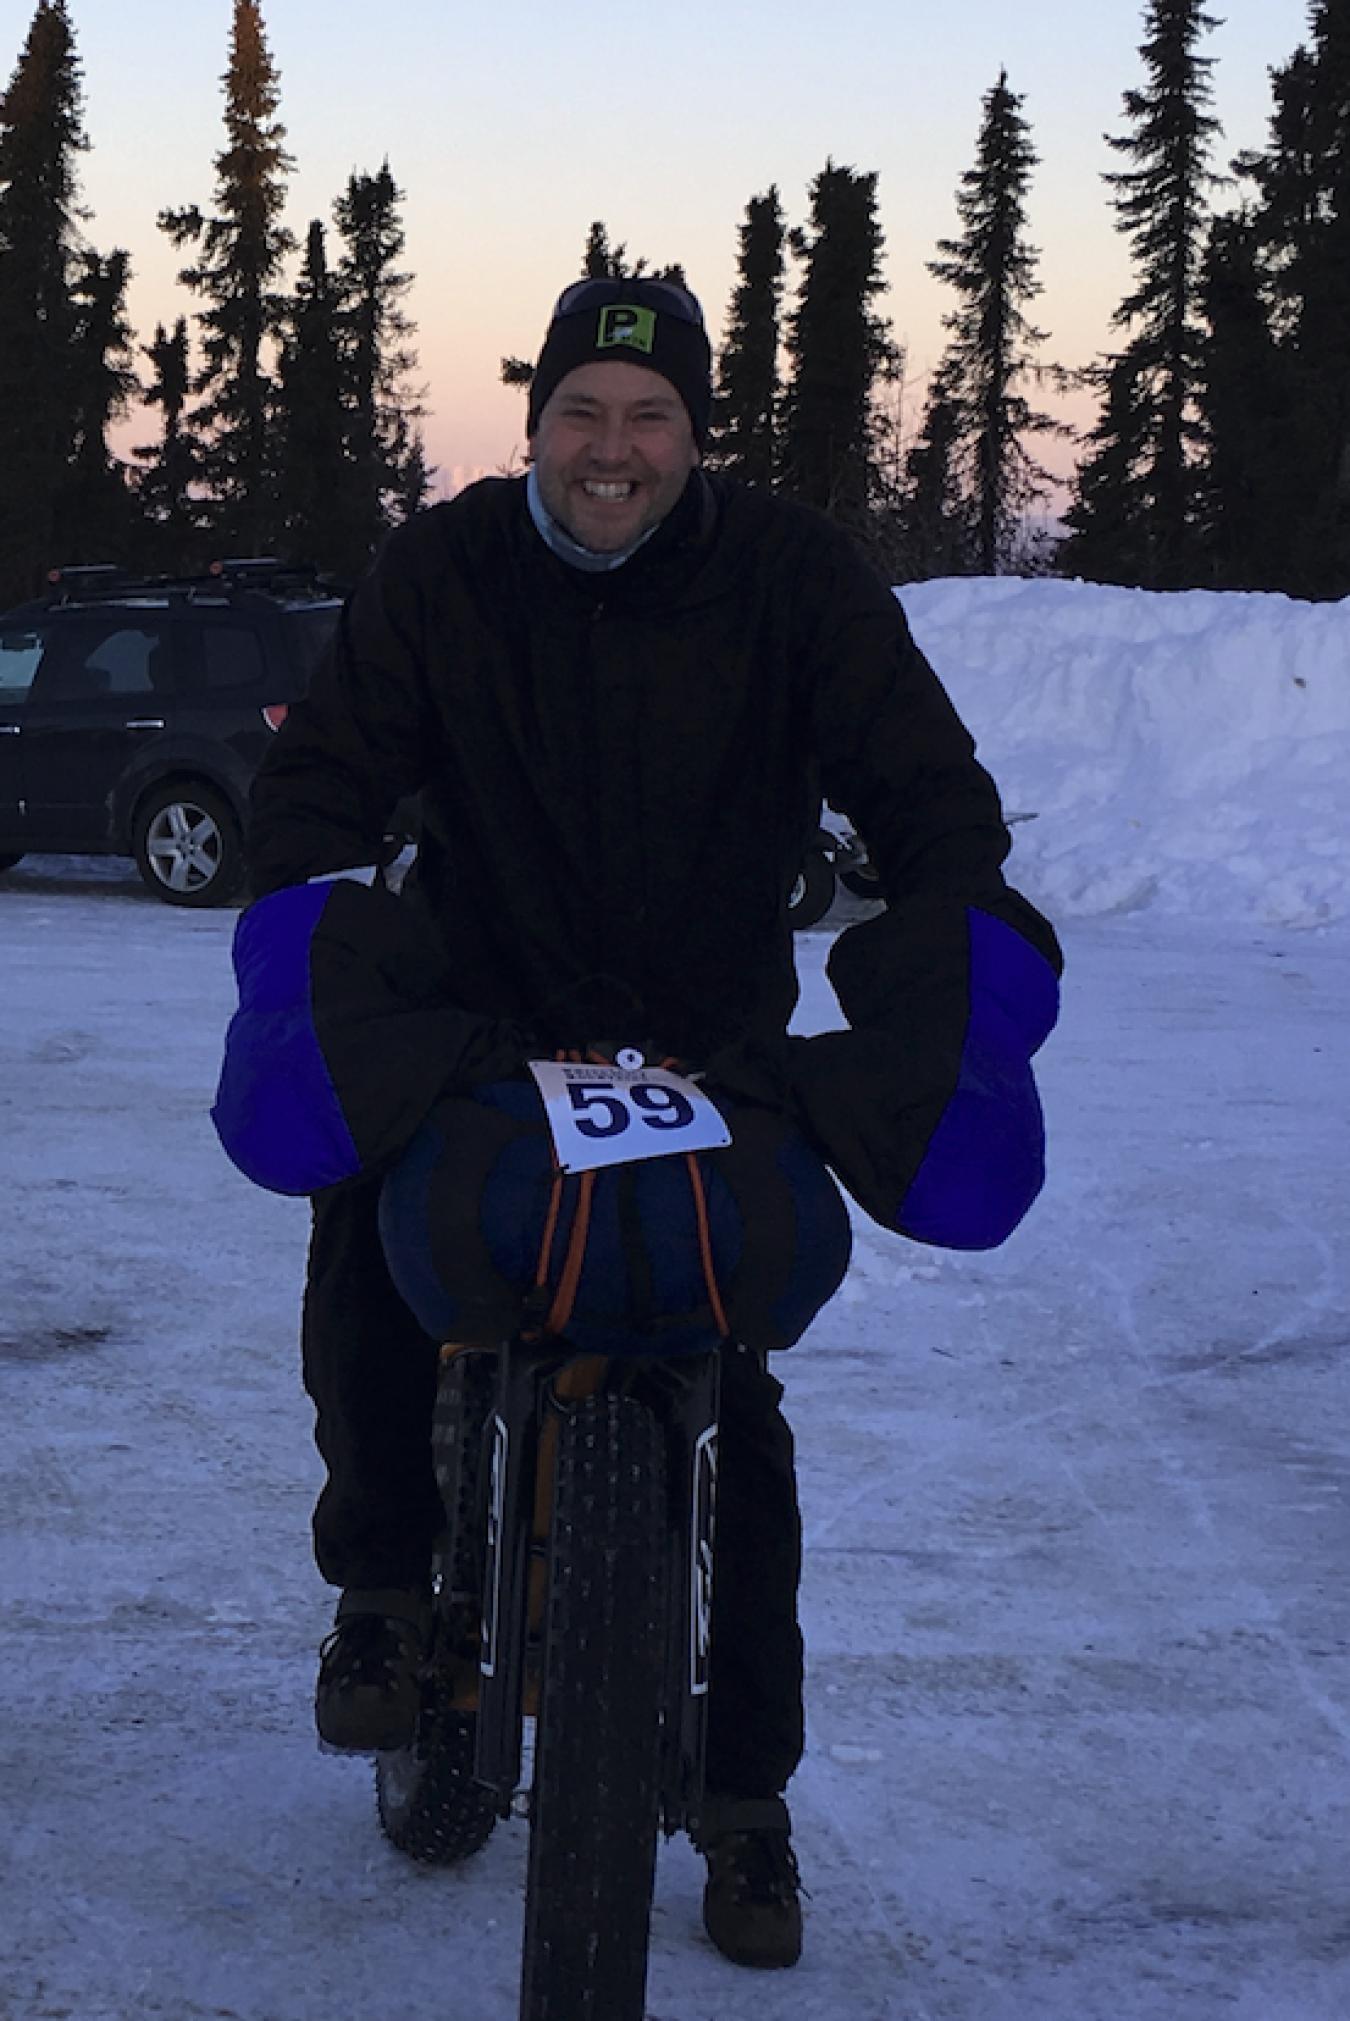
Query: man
[(620, 687)]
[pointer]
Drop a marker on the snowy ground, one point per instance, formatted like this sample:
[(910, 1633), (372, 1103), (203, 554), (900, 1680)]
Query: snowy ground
[(1077, 1523)]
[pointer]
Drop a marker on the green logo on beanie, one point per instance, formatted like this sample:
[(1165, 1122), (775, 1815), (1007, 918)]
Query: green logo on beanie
[(623, 327)]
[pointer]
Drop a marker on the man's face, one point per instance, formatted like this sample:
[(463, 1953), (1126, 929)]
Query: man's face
[(612, 453)]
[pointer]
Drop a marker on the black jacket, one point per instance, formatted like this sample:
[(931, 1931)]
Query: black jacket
[(620, 774)]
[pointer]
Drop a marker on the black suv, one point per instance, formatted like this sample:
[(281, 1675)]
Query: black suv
[(134, 714)]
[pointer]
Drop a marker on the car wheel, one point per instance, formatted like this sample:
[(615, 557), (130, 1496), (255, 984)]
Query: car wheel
[(8, 862), (188, 846), (813, 893)]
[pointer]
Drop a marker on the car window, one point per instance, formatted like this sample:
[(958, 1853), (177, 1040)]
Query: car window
[(20, 658), (106, 657), (307, 633), (232, 657), (129, 657)]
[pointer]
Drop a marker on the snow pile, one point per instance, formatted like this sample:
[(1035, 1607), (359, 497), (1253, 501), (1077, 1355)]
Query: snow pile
[(1185, 751)]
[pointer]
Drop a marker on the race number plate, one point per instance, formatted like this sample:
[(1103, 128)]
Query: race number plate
[(602, 1115)]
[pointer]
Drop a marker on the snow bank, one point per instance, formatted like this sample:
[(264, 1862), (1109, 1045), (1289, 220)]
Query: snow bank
[(1186, 751)]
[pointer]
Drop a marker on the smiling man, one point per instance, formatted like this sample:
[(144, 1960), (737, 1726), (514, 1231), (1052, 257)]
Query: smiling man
[(618, 408), (612, 451), (620, 686)]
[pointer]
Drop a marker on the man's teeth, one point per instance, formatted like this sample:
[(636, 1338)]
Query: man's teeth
[(610, 491)]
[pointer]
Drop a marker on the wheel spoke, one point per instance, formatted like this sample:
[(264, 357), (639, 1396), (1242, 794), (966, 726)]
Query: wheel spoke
[(184, 846)]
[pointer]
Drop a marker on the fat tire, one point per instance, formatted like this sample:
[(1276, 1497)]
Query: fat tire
[(430, 1804), (595, 1809), (812, 895)]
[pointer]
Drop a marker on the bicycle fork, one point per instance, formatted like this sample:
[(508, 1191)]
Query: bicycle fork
[(536, 1383)]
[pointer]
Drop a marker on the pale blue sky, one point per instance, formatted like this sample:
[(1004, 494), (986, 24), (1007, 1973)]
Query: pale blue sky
[(510, 129)]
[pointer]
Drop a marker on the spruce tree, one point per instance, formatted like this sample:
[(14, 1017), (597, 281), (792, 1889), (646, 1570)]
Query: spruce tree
[(839, 350), (96, 514), (991, 356), (169, 476), (937, 537), (413, 474), (601, 261), (1111, 537), (745, 415), (1261, 441), (1301, 223), (1161, 202), (384, 440), (242, 250), (1304, 182), (41, 134), (322, 490)]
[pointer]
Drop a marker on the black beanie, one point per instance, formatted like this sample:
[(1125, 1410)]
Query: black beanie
[(650, 323)]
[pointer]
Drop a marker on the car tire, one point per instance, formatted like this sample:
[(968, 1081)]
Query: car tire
[(188, 845), (813, 893), (8, 862)]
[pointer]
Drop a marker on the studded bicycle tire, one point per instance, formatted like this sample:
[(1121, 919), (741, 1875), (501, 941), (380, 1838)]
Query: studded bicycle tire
[(430, 1804), (596, 1800)]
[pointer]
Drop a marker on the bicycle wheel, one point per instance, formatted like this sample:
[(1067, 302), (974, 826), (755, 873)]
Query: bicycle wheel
[(430, 1804), (596, 1804)]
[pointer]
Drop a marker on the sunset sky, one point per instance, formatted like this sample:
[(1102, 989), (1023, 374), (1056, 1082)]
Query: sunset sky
[(510, 128)]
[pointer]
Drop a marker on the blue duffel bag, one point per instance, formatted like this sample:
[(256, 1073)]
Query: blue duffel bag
[(667, 1255)]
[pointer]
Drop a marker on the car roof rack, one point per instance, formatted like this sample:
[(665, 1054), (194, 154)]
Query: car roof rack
[(105, 582), (85, 575)]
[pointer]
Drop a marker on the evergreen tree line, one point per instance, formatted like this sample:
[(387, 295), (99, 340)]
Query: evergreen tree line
[(811, 399), (1219, 456), (287, 423)]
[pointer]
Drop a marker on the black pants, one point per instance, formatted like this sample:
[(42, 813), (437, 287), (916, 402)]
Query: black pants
[(372, 1374)]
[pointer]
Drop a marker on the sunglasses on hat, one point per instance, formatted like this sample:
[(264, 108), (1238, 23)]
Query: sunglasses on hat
[(666, 297)]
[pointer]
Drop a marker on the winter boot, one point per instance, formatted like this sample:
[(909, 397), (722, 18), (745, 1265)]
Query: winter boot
[(370, 1671), (751, 1908)]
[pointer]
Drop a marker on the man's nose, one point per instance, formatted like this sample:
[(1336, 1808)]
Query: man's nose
[(611, 440)]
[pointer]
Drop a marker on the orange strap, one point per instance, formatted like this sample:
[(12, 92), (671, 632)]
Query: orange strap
[(550, 1228), (705, 1244), (565, 1297)]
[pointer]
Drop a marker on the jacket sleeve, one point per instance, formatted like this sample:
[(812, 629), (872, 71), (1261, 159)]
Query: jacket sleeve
[(364, 737), (926, 1106)]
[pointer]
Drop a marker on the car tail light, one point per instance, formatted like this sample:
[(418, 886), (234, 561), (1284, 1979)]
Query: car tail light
[(275, 714)]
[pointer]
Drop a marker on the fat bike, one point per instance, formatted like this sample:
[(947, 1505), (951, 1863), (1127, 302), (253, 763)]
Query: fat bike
[(572, 1595)]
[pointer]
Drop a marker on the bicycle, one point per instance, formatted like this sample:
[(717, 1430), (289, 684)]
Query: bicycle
[(572, 1583), (584, 1489)]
